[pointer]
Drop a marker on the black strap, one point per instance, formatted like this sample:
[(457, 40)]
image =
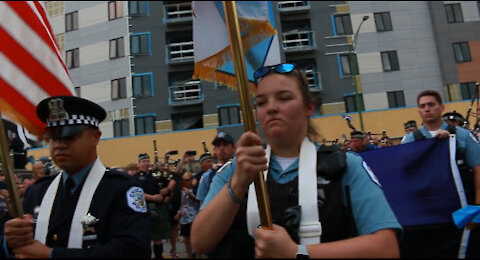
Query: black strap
[(417, 135), (331, 162)]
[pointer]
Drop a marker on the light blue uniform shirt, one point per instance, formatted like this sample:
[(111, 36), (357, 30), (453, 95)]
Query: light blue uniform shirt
[(467, 144), (370, 208), (204, 185)]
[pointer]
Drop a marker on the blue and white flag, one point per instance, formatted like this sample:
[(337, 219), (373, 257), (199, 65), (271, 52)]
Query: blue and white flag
[(420, 180), (213, 59)]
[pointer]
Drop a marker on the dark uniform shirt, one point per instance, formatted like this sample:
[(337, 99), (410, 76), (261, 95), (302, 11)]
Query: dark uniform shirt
[(120, 232)]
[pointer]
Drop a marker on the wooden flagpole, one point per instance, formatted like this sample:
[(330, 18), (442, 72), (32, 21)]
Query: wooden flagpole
[(246, 105), (9, 174)]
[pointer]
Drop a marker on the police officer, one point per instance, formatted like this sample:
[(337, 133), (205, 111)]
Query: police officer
[(445, 241), (359, 142), (86, 210)]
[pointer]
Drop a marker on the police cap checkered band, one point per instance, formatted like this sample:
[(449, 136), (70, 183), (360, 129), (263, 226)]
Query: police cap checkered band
[(59, 111), (74, 120)]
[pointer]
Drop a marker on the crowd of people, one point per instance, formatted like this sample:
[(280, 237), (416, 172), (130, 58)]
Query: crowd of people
[(89, 210)]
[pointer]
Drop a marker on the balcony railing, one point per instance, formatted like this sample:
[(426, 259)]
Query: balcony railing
[(298, 41), (180, 52), (178, 12), (285, 6), (185, 94)]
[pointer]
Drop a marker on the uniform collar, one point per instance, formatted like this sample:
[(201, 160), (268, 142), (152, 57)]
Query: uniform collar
[(79, 177)]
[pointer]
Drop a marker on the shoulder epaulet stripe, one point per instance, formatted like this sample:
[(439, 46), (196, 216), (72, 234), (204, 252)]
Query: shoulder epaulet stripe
[(223, 166)]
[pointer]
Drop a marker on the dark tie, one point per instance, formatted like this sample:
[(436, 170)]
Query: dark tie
[(69, 184)]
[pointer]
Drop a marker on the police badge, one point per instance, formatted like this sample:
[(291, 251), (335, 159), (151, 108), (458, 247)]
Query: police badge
[(89, 234), (57, 112), (136, 199)]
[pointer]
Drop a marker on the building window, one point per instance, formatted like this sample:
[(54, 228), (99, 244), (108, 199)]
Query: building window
[(120, 128), (185, 121), (351, 103), (345, 65), (180, 10), (468, 90), (454, 13), (138, 8), (342, 24), (390, 60), (115, 10), (55, 8), (73, 58), (117, 48), (462, 52), (142, 85), (119, 88), (383, 22), (228, 115), (71, 21), (140, 44), (60, 41), (396, 99), (145, 124)]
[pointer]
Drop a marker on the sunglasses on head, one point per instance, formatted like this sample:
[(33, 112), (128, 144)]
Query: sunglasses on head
[(280, 68)]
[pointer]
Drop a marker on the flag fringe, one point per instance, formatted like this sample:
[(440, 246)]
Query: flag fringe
[(206, 69)]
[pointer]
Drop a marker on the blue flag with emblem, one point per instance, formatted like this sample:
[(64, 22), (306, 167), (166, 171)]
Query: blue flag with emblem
[(213, 60), (420, 180)]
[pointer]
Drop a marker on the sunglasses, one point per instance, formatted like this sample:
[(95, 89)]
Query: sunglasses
[(186, 179), (280, 68)]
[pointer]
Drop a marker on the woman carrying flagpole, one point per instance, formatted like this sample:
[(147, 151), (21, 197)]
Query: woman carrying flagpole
[(349, 215)]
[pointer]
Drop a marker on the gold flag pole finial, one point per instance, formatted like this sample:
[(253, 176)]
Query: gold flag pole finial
[(246, 105)]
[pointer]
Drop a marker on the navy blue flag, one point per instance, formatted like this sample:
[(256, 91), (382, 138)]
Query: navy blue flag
[(417, 180)]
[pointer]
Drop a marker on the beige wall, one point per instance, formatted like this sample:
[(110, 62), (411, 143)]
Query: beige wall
[(121, 151)]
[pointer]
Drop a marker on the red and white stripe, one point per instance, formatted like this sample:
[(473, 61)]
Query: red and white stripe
[(30, 61)]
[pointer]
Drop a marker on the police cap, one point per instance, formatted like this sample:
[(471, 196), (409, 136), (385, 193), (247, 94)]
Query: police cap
[(222, 136), (67, 116), (411, 123), (454, 116), (205, 156)]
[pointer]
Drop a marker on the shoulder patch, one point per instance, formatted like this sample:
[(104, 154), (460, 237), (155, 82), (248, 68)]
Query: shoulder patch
[(136, 199), (373, 177)]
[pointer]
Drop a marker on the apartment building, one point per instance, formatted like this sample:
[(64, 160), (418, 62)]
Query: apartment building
[(94, 39), (136, 58)]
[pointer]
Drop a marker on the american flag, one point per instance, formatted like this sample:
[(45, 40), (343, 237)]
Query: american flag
[(31, 67)]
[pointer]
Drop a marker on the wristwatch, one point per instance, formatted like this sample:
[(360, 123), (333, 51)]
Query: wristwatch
[(302, 252)]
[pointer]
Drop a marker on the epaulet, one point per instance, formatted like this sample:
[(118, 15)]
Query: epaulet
[(223, 166), (117, 174)]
